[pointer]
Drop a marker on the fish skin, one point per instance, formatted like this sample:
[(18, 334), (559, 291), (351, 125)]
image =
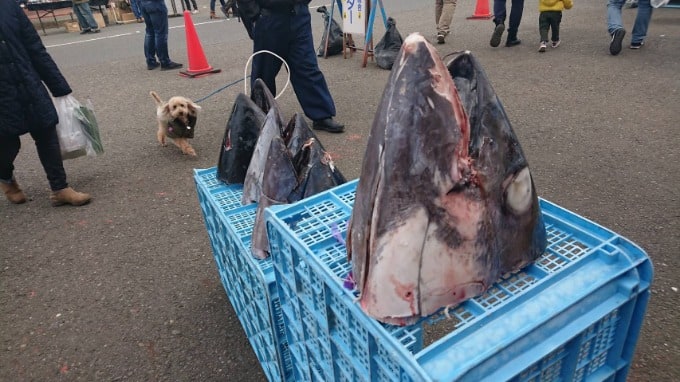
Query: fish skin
[(430, 225), (279, 180), (252, 184), (297, 166), (296, 133), (263, 97), (240, 137), (315, 167)]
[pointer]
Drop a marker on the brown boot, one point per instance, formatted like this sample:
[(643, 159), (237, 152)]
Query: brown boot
[(13, 192), (69, 196), (213, 15)]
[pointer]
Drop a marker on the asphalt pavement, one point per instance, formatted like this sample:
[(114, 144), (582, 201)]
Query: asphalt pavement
[(126, 288)]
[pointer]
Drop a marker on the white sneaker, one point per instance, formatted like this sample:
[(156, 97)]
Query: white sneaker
[(555, 44), (195, 11), (543, 46)]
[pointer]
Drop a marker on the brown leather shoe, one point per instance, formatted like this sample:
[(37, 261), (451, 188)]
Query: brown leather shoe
[(13, 192), (69, 196)]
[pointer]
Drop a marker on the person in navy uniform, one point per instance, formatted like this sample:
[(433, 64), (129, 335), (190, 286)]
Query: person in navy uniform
[(284, 27)]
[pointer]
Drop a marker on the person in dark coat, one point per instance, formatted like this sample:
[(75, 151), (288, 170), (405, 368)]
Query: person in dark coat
[(26, 107), (284, 27)]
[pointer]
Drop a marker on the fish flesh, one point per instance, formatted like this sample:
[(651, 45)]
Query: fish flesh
[(297, 167), (445, 202), (240, 136)]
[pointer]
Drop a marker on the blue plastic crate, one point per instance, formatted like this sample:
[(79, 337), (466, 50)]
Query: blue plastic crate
[(249, 282), (573, 315)]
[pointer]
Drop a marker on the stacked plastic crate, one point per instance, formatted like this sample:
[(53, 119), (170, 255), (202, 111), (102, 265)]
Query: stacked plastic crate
[(574, 315), (249, 283)]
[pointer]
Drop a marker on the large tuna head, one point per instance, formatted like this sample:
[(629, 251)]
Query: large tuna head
[(438, 208)]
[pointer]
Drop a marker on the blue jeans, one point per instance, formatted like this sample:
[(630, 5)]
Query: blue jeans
[(155, 15), (47, 143), (644, 15), (85, 18), (289, 34), (212, 5), (134, 4)]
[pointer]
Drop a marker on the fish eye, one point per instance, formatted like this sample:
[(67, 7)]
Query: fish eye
[(519, 195)]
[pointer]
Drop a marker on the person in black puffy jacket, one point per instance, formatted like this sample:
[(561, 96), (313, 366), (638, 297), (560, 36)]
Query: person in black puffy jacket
[(26, 106)]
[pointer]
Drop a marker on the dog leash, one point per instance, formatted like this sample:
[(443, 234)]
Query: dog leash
[(245, 77), (220, 89)]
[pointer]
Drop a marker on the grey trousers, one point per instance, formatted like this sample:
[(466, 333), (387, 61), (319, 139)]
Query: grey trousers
[(443, 14)]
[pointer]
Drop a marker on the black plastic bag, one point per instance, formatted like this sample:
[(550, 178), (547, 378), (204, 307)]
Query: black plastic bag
[(335, 39), (388, 47)]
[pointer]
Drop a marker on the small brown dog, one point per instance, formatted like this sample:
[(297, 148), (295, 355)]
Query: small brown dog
[(176, 120)]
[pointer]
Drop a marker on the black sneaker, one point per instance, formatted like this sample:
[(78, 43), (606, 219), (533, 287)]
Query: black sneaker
[(441, 36), (86, 31), (96, 30), (497, 34), (615, 44), (153, 66), (636, 45), (329, 125), (515, 41), (171, 66)]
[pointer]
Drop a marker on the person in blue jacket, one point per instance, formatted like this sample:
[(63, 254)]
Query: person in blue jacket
[(284, 27), (26, 106)]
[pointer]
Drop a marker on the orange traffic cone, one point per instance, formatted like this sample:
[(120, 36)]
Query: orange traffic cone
[(481, 10), (198, 65)]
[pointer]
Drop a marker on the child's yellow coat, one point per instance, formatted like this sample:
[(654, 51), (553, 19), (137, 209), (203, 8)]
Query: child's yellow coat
[(554, 5)]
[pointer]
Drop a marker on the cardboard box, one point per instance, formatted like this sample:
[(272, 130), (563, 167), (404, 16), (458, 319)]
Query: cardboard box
[(99, 19), (127, 16), (72, 26), (120, 16)]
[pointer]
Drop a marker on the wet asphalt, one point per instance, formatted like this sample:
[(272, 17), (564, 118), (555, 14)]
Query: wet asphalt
[(126, 288)]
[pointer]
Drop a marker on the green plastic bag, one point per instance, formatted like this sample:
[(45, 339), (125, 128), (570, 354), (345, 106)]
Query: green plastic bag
[(88, 123)]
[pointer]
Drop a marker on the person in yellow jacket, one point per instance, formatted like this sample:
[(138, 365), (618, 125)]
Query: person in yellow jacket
[(549, 19)]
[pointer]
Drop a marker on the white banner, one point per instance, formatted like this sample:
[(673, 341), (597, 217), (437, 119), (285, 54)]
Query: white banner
[(354, 15)]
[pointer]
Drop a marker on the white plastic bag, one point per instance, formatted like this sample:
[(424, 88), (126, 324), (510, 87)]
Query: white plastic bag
[(77, 129), (658, 3), (72, 140)]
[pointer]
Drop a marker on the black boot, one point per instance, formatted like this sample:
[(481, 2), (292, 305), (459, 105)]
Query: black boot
[(512, 41), (497, 34), (328, 124)]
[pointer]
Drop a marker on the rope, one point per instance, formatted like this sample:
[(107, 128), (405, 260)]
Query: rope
[(245, 71), (245, 77)]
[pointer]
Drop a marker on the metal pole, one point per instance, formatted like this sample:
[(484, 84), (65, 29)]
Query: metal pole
[(328, 30)]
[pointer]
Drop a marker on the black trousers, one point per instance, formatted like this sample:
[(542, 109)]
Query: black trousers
[(549, 20), (500, 13), (47, 143), (188, 5)]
